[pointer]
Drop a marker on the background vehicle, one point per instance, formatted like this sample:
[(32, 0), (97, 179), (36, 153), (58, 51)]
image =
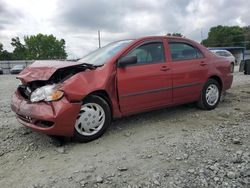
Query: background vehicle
[(247, 67), (1, 71), (126, 77), (17, 69), (226, 54)]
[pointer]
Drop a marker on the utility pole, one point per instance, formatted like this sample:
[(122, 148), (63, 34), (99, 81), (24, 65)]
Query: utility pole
[(99, 38), (201, 35)]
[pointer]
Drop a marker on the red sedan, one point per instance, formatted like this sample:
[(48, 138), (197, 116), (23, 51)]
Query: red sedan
[(126, 77)]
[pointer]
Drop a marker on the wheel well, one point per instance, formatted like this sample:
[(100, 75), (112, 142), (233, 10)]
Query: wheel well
[(104, 95), (218, 80)]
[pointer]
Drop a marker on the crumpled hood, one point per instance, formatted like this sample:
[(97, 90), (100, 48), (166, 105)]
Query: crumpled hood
[(43, 70)]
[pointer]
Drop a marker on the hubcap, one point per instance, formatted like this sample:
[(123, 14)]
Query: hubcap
[(212, 94), (90, 119)]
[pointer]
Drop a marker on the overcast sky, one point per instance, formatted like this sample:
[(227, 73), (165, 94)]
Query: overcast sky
[(77, 21)]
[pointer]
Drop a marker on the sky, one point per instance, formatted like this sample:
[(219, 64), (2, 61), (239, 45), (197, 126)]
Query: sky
[(77, 21)]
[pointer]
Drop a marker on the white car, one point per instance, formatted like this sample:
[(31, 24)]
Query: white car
[(226, 54)]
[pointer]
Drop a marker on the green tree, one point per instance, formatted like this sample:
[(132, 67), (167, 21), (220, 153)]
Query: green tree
[(4, 54), (247, 36), (38, 47), (44, 47), (20, 52), (221, 36)]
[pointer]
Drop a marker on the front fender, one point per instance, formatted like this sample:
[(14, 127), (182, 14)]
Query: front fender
[(80, 85), (77, 87)]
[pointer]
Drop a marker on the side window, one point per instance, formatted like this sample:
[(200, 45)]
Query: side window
[(184, 51), (149, 53), (228, 54), (219, 53), (223, 53)]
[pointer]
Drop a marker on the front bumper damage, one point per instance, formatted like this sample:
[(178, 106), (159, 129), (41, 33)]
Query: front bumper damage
[(52, 118)]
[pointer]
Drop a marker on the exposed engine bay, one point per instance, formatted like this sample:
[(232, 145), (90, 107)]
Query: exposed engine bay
[(59, 76)]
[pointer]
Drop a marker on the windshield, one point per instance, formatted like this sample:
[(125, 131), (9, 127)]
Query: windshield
[(101, 55)]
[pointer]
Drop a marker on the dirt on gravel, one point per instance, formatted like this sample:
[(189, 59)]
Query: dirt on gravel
[(176, 147)]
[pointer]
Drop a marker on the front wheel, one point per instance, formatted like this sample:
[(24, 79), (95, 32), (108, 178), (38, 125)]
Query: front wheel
[(93, 119), (210, 95)]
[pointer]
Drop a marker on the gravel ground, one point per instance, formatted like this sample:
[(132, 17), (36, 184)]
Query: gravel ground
[(177, 147)]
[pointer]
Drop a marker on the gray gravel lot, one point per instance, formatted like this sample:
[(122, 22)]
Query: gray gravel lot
[(177, 147)]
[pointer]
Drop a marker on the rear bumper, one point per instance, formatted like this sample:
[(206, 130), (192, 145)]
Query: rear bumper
[(52, 118)]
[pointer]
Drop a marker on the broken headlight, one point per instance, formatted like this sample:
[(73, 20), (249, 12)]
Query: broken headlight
[(46, 93)]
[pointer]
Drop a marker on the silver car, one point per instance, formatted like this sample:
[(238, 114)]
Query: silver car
[(226, 54), (17, 69)]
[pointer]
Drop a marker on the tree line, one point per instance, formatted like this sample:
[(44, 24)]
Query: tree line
[(43, 47), (35, 47), (224, 36)]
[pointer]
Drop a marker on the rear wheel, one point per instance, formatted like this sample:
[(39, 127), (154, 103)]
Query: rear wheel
[(210, 95), (93, 119)]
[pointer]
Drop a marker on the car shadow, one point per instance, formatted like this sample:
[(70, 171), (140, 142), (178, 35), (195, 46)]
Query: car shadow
[(153, 116), (121, 124), (126, 123)]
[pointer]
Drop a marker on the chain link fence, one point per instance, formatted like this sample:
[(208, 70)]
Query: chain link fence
[(7, 65)]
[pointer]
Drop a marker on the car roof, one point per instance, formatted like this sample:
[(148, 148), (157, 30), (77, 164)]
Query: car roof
[(163, 36), (179, 39), (18, 66), (156, 37)]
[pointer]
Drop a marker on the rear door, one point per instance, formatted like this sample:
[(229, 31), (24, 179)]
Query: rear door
[(190, 71), (147, 84)]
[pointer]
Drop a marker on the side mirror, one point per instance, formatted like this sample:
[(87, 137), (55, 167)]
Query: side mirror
[(127, 60)]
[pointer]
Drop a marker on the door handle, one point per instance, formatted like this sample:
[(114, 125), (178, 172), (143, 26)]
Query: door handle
[(203, 64), (165, 68)]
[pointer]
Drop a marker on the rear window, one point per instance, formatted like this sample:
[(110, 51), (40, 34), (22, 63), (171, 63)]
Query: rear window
[(184, 51), (223, 53)]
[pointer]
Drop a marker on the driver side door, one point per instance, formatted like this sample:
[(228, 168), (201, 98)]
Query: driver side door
[(148, 83)]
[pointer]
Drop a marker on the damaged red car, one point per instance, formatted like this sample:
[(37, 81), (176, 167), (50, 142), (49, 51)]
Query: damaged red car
[(80, 99)]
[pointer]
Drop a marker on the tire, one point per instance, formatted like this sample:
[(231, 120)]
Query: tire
[(93, 119), (211, 103), (232, 67)]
